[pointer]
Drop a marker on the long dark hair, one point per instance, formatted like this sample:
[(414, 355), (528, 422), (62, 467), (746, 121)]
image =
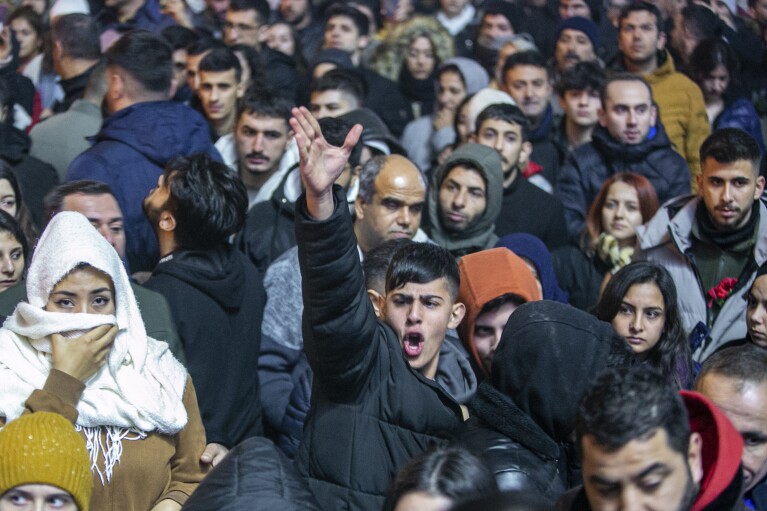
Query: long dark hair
[(11, 226), (23, 216), (671, 355), (707, 56)]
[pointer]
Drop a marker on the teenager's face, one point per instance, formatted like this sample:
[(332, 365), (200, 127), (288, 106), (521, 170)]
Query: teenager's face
[(621, 214), (420, 314), (84, 290), (420, 60), (729, 191), (450, 91), (507, 139), (488, 328), (641, 317), (644, 474), (715, 83), (581, 107), (11, 260), (37, 497), (756, 312)]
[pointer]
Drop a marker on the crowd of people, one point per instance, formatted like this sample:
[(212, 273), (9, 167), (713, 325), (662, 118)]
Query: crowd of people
[(409, 255)]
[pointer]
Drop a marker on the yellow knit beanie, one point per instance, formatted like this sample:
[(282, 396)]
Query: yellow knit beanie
[(44, 448)]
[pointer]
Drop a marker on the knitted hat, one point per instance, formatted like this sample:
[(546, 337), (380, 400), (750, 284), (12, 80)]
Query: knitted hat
[(584, 25), (44, 448)]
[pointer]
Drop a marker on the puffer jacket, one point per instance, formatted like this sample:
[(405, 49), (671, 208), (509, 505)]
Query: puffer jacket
[(371, 412), (254, 476), (741, 114), (130, 153), (548, 355), (589, 165), (666, 240)]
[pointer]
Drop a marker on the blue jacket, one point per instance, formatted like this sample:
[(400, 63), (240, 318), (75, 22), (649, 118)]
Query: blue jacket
[(129, 154), (741, 114)]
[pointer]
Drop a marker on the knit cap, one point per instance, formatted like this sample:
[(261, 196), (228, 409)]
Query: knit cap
[(584, 25), (44, 448)]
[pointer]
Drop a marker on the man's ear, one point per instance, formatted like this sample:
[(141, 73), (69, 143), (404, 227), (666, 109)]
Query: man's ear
[(263, 33), (241, 91), (456, 315), (695, 457), (602, 117), (115, 86), (653, 114), (759, 187), (359, 208), (661, 40), (167, 221), (378, 301)]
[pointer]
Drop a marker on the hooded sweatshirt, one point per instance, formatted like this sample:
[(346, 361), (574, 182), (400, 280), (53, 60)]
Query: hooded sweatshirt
[(481, 233), (130, 153), (217, 300), (524, 413), (485, 276)]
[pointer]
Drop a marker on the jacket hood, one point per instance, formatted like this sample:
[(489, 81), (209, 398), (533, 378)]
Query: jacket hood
[(159, 130), (532, 248), (218, 273), (482, 233), (613, 150), (14, 143), (548, 355), (454, 372), (722, 450), (485, 276), (474, 75)]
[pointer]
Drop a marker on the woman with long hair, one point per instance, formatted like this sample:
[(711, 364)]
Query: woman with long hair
[(625, 201), (78, 347), (640, 301), (12, 203), (14, 252)]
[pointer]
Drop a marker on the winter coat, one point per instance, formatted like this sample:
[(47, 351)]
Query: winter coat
[(547, 358), (589, 166), (254, 476), (741, 114), (148, 17), (480, 234), (35, 177), (371, 412), (485, 276), (130, 153), (217, 301), (547, 151), (722, 450), (527, 208), (666, 240), (580, 275), (681, 109)]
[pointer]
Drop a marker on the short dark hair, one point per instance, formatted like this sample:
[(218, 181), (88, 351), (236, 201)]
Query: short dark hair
[(505, 112), (262, 102), (343, 80), (335, 130), (260, 6), (421, 263), (728, 145), (746, 363), (639, 7), (146, 57), (525, 58), (253, 60), (79, 36), (10, 225), (53, 202), (499, 301), (208, 201), (701, 21), (630, 404), (178, 37), (623, 77), (220, 60), (202, 45), (28, 14), (360, 20), (451, 472), (586, 75), (377, 261)]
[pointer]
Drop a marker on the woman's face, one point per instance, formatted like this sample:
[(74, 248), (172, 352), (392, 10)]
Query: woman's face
[(715, 84), (420, 60), (30, 43), (756, 312), (84, 290), (450, 91), (641, 317), (621, 214), (422, 501), (464, 128), (279, 38), (7, 198), (11, 260)]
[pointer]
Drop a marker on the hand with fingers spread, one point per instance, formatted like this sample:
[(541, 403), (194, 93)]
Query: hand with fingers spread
[(81, 357), (321, 163)]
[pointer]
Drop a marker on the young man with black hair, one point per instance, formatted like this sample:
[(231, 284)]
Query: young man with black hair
[(215, 294), (720, 234), (76, 51), (374, 398), (246, 22), (346, 28), (735, 380), (336, 93), (220, 88), (179, 39), (647, 447), (195, 52), (527, 80), (126, 154), (579, 90), (524, 207), (496, 25)]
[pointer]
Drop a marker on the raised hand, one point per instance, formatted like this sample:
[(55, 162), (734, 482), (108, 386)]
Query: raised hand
[(81, 357), (321, 163)]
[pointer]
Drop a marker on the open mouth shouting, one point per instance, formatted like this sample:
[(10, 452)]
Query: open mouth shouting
[(412, 344)]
